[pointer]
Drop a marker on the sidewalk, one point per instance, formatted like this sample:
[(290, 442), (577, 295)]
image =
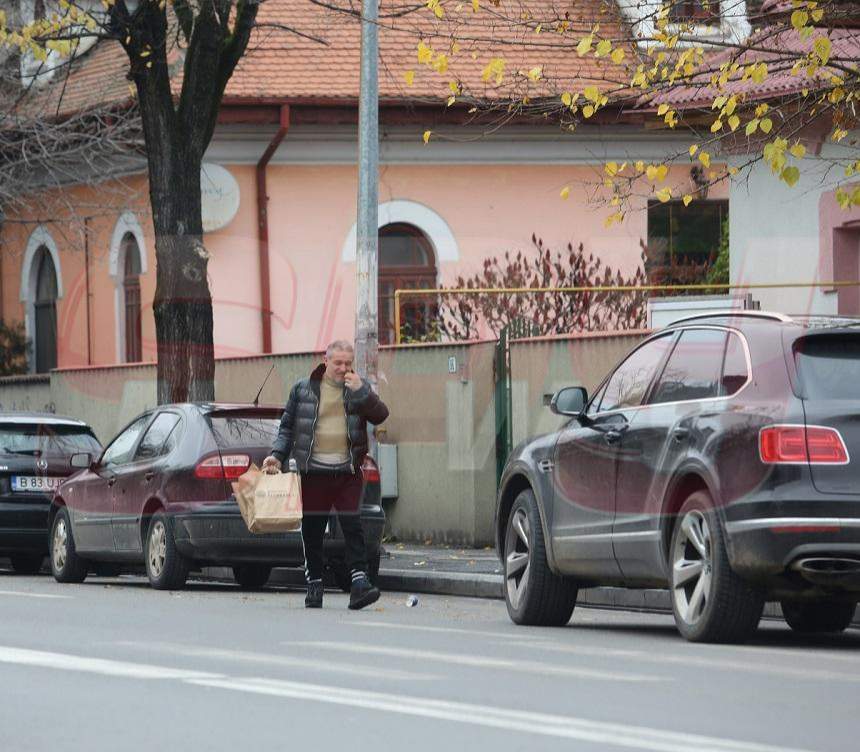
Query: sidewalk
[(443, 570)]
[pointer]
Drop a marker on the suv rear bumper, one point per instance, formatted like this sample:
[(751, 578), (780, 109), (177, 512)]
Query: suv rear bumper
[(764, 548), (24, 524), (217, 534)]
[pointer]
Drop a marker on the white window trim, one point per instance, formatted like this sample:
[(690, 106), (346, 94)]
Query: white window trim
[(734, 24), (127, 223), (40, 237), (434, 227)]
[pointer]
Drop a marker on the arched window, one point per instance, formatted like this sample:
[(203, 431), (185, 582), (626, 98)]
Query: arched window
[(406, 260), (45, 311), (131, 297)]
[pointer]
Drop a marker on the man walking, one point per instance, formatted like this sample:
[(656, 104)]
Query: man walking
[(324, 428)]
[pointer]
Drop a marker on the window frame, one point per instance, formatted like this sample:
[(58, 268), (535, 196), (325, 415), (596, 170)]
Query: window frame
[(730, 331), (147, 419), (426, 273), (178, 426)]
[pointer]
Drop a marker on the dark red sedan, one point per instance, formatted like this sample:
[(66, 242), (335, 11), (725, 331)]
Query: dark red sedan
[(160, 495)]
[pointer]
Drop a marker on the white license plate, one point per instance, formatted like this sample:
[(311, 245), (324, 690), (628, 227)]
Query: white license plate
[(35, 484)]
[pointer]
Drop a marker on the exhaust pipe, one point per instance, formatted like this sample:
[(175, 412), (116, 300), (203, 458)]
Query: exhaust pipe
[(829, 571)]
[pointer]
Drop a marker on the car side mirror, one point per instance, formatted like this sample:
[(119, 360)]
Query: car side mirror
[(569, 401), (82, 460)]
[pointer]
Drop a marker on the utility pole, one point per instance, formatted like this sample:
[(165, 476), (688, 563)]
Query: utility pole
[(367, 229)]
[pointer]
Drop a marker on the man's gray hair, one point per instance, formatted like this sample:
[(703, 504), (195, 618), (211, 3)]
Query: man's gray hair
[(339, 344)]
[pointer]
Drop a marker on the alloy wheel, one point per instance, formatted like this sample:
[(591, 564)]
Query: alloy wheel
[(517, 557), (692, 567), (59, 545), (157, 549)]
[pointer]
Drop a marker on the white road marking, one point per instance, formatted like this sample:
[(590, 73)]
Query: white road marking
[(106, 667), (312, 663), (22, 594), (422, 628), (615, 734), (507, 664), (719, 664)]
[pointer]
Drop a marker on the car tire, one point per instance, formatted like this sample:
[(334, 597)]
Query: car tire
[(251, 576), (709, 601), (27, 563), (810, 617), (66, 565), (534, 595), (166, 568)]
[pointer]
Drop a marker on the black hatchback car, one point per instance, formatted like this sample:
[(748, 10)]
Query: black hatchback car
[(160, 495), (35, 449), (720, 459)]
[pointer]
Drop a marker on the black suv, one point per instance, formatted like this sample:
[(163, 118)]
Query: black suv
[(715, 459), (35, 453)]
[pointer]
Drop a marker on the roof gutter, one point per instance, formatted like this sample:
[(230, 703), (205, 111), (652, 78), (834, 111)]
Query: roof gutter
[(263, 224)]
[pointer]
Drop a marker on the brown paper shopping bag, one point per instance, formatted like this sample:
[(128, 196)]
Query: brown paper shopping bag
[(269, 503)]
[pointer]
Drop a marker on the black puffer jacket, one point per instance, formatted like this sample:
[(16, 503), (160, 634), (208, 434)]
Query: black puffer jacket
[(296, 434)]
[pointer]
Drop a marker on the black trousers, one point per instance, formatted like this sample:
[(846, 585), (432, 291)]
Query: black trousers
[(322, 494)]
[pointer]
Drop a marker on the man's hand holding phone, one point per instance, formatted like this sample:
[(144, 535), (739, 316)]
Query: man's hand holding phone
[(352, 381)]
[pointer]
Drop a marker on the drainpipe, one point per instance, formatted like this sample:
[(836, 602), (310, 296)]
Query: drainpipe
[(87, 284), (263, 222)]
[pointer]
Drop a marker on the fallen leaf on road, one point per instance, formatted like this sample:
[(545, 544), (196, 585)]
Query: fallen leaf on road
[(419, 563)]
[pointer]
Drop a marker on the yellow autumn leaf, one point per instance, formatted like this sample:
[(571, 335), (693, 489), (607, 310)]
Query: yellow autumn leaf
[(766, 125), (617, 55), (717, 125), (822, 48), (752, 126), (567, 99), (584, 46), (790, 175), (687, 199), (565, 192), (603, 48), (611, 168), (591, 93), (664, 194), (734, 122), (409, 77), (705, 159), (693, 149), (425, 53), (475, 6), (426, 136), (535, 73), (588, 110), (440, 64), (662, 110), (798, 150)]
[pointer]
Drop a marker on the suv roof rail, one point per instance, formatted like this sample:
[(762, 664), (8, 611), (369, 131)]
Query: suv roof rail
[(770, 315)]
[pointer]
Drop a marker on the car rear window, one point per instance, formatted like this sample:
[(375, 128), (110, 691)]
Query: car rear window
[(828, 366), (45, 439), (233, 430)]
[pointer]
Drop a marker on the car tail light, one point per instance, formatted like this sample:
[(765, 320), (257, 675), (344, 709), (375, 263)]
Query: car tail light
[(792, 444), (369, 470), (226, 467)]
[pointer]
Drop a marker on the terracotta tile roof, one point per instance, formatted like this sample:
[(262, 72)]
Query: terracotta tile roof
[(783, 45), (281, 65)]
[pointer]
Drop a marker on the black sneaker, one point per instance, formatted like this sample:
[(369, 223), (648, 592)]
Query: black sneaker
[(362, 593), (315, 594)]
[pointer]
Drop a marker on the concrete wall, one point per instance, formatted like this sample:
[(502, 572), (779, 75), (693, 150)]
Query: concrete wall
[(26, 393), (544, 365), (442, 420)]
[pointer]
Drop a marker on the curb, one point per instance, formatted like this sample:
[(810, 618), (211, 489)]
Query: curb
[(476, 585)]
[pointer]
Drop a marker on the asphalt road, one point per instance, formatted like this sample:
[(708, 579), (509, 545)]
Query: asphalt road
[(113, 665)]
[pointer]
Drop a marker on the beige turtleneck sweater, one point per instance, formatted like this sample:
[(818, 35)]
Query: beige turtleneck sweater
[(331, 445)]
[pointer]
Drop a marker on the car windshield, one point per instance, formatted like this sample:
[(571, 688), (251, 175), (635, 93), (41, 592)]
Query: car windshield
[(38, 439), (243, 430), (829, 366)]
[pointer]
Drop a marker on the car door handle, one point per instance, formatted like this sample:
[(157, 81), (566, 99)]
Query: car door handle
[(150, 475), (679, 434), (612, 437), (546, 466)]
